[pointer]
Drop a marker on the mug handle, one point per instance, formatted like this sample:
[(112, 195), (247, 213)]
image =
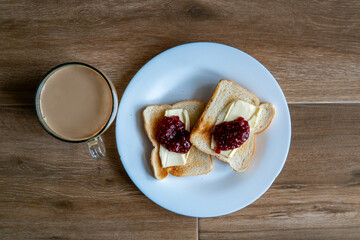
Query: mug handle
[(97, 147)]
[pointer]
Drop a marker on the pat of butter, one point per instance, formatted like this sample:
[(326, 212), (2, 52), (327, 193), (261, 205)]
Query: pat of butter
[(231, 112), (168, 158)]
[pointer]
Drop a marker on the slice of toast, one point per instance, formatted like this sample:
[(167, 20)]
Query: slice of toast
[(198, 163), (226, 92)]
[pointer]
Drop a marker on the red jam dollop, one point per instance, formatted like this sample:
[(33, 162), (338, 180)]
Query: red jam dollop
[(231, 135), (172, 135)]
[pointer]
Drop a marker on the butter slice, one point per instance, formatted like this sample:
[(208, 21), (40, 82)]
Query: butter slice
[(231, 112), (168, 158)]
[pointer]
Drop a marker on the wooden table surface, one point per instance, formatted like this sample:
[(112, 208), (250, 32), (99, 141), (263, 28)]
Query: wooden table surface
[(52, 190)]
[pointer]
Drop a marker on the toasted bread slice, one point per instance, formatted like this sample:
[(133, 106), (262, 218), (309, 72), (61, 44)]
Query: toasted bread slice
[(226, 92), (197, 163)]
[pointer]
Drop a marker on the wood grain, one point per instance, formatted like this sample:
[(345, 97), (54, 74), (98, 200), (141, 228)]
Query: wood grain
[(312, 48), (317, 194), (50, 189), (53, 190)]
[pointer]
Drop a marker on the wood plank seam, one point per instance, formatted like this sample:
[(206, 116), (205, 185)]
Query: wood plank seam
[(289, 103), (197, 228), (333, 102)]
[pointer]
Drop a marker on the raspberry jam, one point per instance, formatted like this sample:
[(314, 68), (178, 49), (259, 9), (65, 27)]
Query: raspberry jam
[(231, 135), (172, 135)]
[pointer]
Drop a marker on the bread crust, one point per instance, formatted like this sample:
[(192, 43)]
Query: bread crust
[(271, 117), (198, 163), (225, 92)]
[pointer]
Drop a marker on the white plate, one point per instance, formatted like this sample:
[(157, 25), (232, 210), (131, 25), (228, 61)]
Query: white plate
[(191, 71)]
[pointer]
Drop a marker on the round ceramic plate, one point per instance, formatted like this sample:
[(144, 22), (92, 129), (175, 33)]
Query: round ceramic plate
[(191, 71)]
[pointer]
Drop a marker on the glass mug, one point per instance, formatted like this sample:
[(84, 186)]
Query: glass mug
[(77, 93)]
